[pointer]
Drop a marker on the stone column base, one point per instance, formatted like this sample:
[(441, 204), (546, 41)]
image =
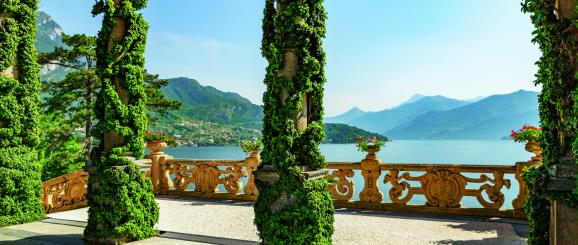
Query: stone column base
[(563, 224)]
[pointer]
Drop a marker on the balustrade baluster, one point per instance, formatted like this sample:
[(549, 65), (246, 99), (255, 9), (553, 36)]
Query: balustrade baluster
[(371, 173)]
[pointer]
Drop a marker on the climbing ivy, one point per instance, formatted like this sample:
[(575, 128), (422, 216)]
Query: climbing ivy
[(294, 210), (122, 205), (20, 171), (537, 206), (558, 107)]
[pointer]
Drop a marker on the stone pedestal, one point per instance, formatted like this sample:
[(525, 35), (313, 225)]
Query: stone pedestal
[(268, 176), (251, 164), (158, 158), (279, 200), (563, 224), (563, 219), (371, 173)]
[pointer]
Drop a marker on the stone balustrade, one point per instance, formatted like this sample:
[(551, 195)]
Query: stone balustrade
[(412, 187), (65, 192), (443, 186)]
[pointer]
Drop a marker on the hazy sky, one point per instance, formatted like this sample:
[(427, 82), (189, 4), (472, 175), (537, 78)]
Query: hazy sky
[(379, 52)]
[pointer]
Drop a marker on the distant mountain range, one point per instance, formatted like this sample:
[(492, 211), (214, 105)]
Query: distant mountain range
[(219, 117), (385, 120), (438, 117)]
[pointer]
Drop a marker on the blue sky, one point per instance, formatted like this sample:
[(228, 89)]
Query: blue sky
[(379, 52)]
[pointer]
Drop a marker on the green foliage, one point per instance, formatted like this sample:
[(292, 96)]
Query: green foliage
[(374, 142), (73, 97), (308, 216), (249, 146), (122, 204), (20, 180), (158, 104), (558, 101), (537, 206), (60, 152), (160, 136), (526, 133)]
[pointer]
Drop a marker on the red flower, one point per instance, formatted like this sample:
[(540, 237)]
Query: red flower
[(370, 139)]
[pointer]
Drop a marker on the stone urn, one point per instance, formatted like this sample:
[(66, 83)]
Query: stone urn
[(255, 155), (156, 146), (371, 150), (533, 147)]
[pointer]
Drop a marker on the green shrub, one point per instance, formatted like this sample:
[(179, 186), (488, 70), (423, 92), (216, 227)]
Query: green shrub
[(294, 210), (122, 205), (20, 183)]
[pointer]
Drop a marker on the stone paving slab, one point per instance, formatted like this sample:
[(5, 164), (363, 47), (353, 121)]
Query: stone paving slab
[(53, 231), (234, 220)]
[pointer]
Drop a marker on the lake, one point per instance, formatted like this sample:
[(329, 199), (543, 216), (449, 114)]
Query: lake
[(501, 152)]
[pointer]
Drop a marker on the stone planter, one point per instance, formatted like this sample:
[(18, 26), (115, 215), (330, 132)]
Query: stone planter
[(533, 147), (156, 147), (371, 152), (255, 155)]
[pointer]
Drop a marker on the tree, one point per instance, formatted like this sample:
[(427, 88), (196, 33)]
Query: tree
[(157, 104), (122, 204), (74, 96), (60, 151), (20, 180), (294, 205)]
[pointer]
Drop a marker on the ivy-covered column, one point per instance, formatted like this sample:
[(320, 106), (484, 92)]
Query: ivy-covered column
[(553, 195), (20, 171), (122, 204), (294, 205)]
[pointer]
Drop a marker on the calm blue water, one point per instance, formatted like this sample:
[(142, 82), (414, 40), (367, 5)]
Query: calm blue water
[(502, 152)]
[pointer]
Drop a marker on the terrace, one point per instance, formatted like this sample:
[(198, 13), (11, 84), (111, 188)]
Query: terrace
[(211, 201)]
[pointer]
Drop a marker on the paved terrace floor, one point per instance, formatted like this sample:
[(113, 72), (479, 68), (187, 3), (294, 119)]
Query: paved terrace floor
[(201, 221)]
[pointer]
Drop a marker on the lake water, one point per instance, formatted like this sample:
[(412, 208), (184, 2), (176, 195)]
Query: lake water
[(503, 152)]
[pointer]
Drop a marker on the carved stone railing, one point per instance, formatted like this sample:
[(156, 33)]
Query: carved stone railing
[(69, 191), (441, 186), (65, 192), (208, 178)]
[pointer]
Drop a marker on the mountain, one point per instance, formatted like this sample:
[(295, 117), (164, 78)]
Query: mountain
[(49, 36), (385, 120), (413, 98), (207, 103), (49, 33), (209, 116), (336, 133), (353, 113), (489, 118)]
